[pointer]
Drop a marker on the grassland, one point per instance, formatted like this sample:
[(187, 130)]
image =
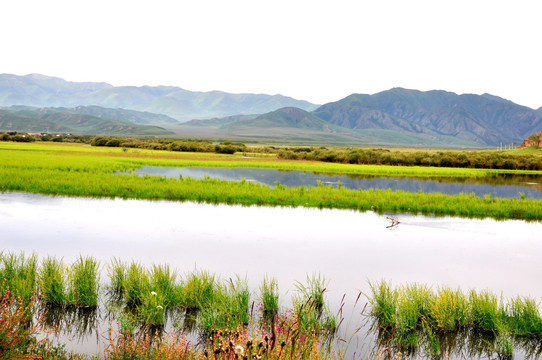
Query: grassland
[(77, 170)]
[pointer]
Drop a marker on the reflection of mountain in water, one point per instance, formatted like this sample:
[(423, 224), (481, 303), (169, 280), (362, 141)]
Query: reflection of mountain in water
[(503, 186)]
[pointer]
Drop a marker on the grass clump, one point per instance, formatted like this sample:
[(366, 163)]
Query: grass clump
[(486, 312), (83, 281), (383, 302), (229, 307), (162, 281), (449, 309), (269, 296), (53, 281), (20, 274), (524, 317), (137, 284), (117, 270), (197, 291)]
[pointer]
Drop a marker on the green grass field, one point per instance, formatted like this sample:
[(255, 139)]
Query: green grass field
[(79, 170)]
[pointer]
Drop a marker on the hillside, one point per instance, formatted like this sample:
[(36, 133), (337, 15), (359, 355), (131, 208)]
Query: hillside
[(180, 104), (484, 119), (296, 125), (81, 120)]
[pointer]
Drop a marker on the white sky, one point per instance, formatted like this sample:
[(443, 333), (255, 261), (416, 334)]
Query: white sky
[(319, 51)]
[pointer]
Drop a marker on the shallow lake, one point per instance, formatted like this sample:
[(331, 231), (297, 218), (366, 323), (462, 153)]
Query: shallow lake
[(347, 247), (504, 186)]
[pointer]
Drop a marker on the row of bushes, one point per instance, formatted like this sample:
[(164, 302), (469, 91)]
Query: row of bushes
[(226, 147), (464, 159), (26, 137)]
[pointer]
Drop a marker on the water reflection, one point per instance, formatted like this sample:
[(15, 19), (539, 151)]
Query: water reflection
[(504, 186), (347, 247)]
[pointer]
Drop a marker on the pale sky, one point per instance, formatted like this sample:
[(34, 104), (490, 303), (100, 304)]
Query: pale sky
[(319, 51)]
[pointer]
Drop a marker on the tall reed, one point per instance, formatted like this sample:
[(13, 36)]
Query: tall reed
[(136, 285), (52, 281), (269, 296), (84, 282), (20, 274), (486, 311), (198, 290)]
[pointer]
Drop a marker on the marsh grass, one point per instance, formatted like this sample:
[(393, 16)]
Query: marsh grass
[(84, 282), (117, 270), (137, 284), (88, 172), (486, 311), (198, 290), (152, 308), (414, 315), (269, 296), (20, 274), (524, 317), (449, 309), (53, 281), (163, 281), (229, 308), (383, 301)]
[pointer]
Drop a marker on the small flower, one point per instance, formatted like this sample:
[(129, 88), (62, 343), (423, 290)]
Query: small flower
[(153, 293), (239, 350), (160, 307)]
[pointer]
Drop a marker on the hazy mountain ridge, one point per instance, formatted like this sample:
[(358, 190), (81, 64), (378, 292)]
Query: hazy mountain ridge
[(44, 91), (396, 116)]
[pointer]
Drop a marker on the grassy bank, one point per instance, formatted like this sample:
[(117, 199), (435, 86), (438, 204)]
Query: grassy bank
[(82, 171)]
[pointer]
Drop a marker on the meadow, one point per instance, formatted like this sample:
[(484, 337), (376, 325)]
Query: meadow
[(81, 170)]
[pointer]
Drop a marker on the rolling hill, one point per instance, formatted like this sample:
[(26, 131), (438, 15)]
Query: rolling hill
[(82, 120)]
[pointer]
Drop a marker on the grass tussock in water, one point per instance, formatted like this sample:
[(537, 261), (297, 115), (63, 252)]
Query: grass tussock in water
[(53, 281), (87, 172), (84, 282), (410, 315)]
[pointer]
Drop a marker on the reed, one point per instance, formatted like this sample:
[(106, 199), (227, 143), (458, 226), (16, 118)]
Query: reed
[(53, 281), (449, 309), (137, 284), (198, 290), (117, 270), (20, 274), (162, 281), (269, 296), (413, 303), (229, 307), (152, 308), (485, 310), (383, 302), (524, 317), (83, 282)]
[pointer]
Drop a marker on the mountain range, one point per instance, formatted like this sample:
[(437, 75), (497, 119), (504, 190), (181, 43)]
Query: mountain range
[(394, 117), (44, 91)]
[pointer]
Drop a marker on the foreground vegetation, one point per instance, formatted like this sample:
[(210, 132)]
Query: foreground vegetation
[(94, 172), (233, 323), (415, 315)]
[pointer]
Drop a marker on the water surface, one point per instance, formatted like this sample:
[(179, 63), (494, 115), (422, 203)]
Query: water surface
[(347, 247), (504, 186)]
